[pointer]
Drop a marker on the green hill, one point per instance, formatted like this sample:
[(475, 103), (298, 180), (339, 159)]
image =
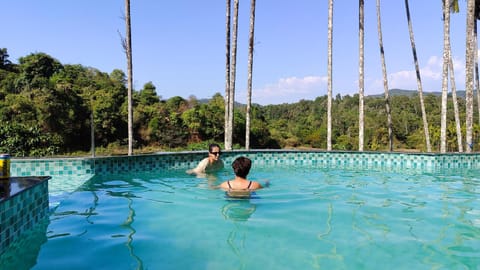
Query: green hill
[(411, 93)]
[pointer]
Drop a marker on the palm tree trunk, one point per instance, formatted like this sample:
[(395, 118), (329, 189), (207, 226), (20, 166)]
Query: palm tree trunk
[(91, 93), (419, 80), (130, 76), (455, 103), (250, 70), (477, 82), (361, 63), (92, 129), (453, 7), (446, 58), (232, 76), (227, 136), (385, 80), (469, 63), (329, 98)]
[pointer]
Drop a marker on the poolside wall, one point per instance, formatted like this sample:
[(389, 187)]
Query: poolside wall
[(22, 212), (66, 167)]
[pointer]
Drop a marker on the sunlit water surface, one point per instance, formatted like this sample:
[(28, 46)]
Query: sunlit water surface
[(307, 219)]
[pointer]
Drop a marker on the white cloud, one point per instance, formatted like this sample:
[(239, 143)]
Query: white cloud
[(431, 76), (291, 89)]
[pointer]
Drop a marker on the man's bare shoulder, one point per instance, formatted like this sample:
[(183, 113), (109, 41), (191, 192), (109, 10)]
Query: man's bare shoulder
[(202, 165)]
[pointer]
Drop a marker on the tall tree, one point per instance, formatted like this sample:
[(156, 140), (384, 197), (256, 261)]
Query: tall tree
[(475, 34), (446, 61), (4, 62), (477, 78), (329, 98), (469, 63), (128, 50), (385, 80), (233, 68), (454, 8), (251, 40), (455, 103), (361, 63), (228, 131), (419, 80)]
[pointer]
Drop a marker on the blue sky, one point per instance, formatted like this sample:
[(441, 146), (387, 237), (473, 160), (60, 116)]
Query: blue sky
[(180, 45)]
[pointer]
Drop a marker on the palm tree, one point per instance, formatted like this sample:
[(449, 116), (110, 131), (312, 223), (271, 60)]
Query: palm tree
[(475, 35), (477, 83), (233, 68), (329, 99), (385, 80), (419, 81), (250, 68), (455, 103), (454, 8), (228, 132), (361, 62), (446, 61), (128, 49), (469, 63)]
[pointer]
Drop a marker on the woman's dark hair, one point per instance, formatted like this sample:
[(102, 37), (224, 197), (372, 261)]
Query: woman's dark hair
[(241, 166), (213, 145)]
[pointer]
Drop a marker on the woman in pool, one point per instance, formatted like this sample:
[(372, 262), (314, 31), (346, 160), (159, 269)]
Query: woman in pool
[(240, 186), (211, 163)]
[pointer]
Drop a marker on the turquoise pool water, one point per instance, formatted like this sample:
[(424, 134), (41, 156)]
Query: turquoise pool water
[(309, 218)]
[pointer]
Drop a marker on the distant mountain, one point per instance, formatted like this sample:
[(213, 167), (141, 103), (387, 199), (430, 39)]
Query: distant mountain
[(392, 92), (410, 93), (206, 100)]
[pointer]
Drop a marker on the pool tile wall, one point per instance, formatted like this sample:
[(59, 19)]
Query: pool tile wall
[(67, 173), (85, 168), (367, 160), (51, 167), (22, 212), (318, 159)]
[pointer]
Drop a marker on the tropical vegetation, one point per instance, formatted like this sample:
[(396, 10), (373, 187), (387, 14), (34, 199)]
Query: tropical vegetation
[(48, 108)]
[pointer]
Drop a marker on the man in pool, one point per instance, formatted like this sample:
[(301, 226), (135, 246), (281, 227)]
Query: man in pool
[(211, 163), (240, 186)]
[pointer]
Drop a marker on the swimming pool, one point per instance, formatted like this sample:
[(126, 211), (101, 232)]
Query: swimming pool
[(309, 218)]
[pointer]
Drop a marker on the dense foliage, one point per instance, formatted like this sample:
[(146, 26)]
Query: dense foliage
[(46, 108)]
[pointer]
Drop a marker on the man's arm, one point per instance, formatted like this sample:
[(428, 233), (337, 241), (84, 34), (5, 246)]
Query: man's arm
[(202, 165)]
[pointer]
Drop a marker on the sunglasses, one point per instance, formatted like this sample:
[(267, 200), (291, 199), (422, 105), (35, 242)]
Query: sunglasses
[(215, 153)]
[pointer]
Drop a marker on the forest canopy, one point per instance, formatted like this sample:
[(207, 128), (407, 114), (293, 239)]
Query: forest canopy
[(49, 108)]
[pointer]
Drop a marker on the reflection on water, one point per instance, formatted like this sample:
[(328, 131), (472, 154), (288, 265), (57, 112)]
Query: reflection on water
[(238, 210), (129, 224), (97, 199), (326, 219)]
